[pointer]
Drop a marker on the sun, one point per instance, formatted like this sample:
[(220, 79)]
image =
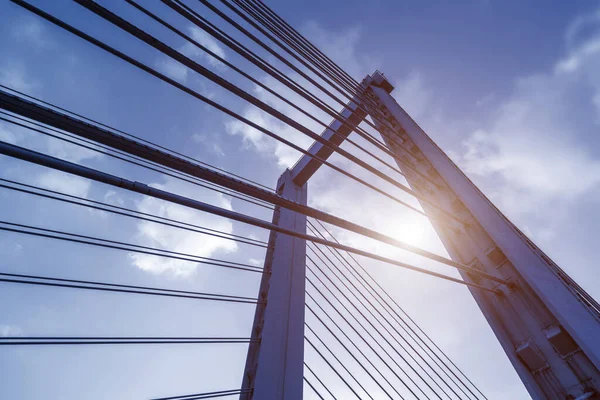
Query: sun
[(409, 229)]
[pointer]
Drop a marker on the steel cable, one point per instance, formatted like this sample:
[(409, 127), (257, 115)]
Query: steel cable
[(106, 150), (393, 312), (207, 395), (136, 137), (356, 346), (332, 367), (331, 264), (368, 332), (125, 212), (117, 245), (79, 170), (271, 91), (338, 361), (319, 380), (114, 287), (352, 326), (86, 340), (188, 62)]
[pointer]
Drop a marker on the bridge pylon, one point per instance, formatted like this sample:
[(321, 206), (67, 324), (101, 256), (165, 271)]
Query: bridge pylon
[(548, 325)]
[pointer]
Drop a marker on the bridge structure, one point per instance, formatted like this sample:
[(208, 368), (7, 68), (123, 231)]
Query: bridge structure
[(314, 294)]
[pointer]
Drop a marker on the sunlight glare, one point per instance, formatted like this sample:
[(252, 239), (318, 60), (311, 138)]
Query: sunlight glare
[(409, 229)]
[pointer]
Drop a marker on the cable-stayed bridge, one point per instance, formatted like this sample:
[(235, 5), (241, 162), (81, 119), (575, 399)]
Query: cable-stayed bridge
[(322, 325)]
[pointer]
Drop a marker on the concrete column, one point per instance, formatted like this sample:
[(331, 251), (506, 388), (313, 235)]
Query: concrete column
[(274, 366)]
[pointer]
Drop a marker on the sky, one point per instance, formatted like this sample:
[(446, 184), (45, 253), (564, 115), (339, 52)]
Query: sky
[(510, 90)]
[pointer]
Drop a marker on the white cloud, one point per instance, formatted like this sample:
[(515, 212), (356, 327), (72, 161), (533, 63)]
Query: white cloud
[(10, 330), (343, 197), (534, 150), (31, 31), (7, 135), (151, 234), (10, 247), (256, 262), (207, 41), (576, 30), (65, 183), (534, 140), (347, 199), (254, 139), (413, 95), (180, 72), (253, 236), (577, 58), (113, 197), (204, 140), (529, 161), (485, 101), (13, 75), (173, 69), (342, 47), (69, 151), (339, 46)]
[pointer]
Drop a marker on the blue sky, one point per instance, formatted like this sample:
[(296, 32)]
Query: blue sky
[(510, 90)]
